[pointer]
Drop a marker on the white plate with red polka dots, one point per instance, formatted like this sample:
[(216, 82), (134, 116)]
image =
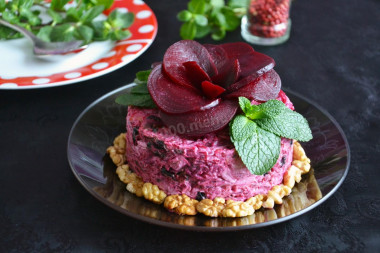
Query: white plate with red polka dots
[(20, 69)]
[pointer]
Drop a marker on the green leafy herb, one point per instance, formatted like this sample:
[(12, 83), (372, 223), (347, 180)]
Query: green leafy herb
[(139, 95), (284, 122), (81, 22), (140, 100), (58, 5), (214, 17), (142, 76), (256, 134)]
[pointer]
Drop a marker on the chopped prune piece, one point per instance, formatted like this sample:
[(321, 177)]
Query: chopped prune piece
[(154, 118), (159, 145), (178, 151), (159, 154), (135, 133), (200, 196), (167, 173)]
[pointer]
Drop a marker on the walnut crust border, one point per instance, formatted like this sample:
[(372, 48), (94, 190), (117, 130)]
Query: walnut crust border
[(219, 207)]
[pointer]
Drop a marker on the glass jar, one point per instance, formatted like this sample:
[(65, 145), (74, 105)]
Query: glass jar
[(267, 22)]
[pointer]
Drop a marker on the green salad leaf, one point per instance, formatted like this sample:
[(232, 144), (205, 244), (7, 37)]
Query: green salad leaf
[(82, 21)]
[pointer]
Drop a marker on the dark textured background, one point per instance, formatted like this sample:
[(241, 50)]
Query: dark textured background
[(332, 58)]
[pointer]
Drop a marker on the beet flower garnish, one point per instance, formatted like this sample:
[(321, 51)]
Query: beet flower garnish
[(196, 87)]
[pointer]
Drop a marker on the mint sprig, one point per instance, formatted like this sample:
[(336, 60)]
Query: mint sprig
[(215, 17), (257, 134), (139, 95)]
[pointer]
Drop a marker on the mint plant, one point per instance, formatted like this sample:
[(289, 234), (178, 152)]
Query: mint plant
[(215, 17)]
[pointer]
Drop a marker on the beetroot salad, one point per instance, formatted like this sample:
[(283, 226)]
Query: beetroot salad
[(211, 122)]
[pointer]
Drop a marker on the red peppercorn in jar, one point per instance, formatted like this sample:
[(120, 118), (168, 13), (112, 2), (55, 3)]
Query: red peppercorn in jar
[(267, 22)]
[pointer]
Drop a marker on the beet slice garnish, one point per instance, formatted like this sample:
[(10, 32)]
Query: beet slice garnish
[(252, 64), (260, 64), (173, 98), (250, 60), (228, 75), (201, 122), (263, 88), (211, 90), (185, 51), (218, 56), (195, 73), (155, 64)]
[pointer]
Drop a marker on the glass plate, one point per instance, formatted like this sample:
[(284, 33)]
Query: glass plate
[(98, 125)]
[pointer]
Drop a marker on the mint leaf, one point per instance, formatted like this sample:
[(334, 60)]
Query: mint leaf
[(232, 21), (276, 118), (188, 30), (284, 122), (142, 76), (204, 17), (141, 80), (258, 149), (244, 104), (140, 89), (202, 31), (200, 20), (218, 34), (241, 128), (272, 108), (238, 3), (140, 100), (184, 16), (139, 95), (251, 111), (289, 124), (220, 19), (197, 6), (217, 3)]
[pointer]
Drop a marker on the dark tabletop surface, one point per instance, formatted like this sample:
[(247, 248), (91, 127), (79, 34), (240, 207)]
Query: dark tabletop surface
[(332, 57)]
